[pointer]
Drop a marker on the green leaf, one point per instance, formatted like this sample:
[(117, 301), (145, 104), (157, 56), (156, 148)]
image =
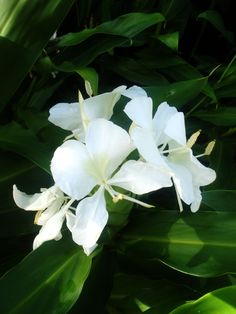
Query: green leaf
[(127, 25), (23, 142), (134, 71), (202, 244), (224, 162), (138, 294), (224, 116), (12, 166), (25, 28), (101, 275), (220, 301), (48, 280), (215, 19), (89, 74), (224, 200), (171, 40), (80, 56), (177, 94)]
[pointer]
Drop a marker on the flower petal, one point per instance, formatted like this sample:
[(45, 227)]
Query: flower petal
[(160, 121), (51, 229), (183, 182), (90, 220), (101, 106), (134, 91), (175, 128), (66, 116), (50, 211), (38, 201), (108, 145), (197, 200), (71, 169), (144, 140), (139, 110), (140, 177), (202, 175)]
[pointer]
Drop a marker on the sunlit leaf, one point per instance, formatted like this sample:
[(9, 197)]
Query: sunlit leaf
[(25, 28), (201, 244), (220, 301)]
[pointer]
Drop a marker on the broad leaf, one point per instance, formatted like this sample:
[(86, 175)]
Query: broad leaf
[(125, 25), (138, 294), (224, 200), (215, 19), (25, 28), (220, 301), (48, 280), (201, 244), (23, 142), (224, 116), (177, 94)]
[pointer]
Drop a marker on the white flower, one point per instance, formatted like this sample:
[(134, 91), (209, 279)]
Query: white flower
[(51, 209), (162, 140), (78, 168), (76, 116)]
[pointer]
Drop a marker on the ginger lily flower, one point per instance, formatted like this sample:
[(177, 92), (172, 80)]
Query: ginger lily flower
[(51, 206), (162, 140), (78, 168), (76, 116)]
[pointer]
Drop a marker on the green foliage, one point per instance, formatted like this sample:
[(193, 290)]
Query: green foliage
[(152, 261), (219, 301), (206, 241), (55, 273)]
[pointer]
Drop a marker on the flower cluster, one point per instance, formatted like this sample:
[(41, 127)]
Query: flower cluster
[(95, 160)]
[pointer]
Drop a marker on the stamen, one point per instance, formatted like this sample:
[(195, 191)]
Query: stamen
[(68, 137), (84, 118), (173, 150), (131, 199), (117, 198), (88, 88), (208, 149), (133, 125), (110, 191), (68, 205), (178, 199), (37, 216), (193, 138)]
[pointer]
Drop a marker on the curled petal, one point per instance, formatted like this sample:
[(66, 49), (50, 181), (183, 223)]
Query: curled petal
[(202, 175), (50, 211), (90, 219), (162, 116), (51, 230), (38, 201)]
